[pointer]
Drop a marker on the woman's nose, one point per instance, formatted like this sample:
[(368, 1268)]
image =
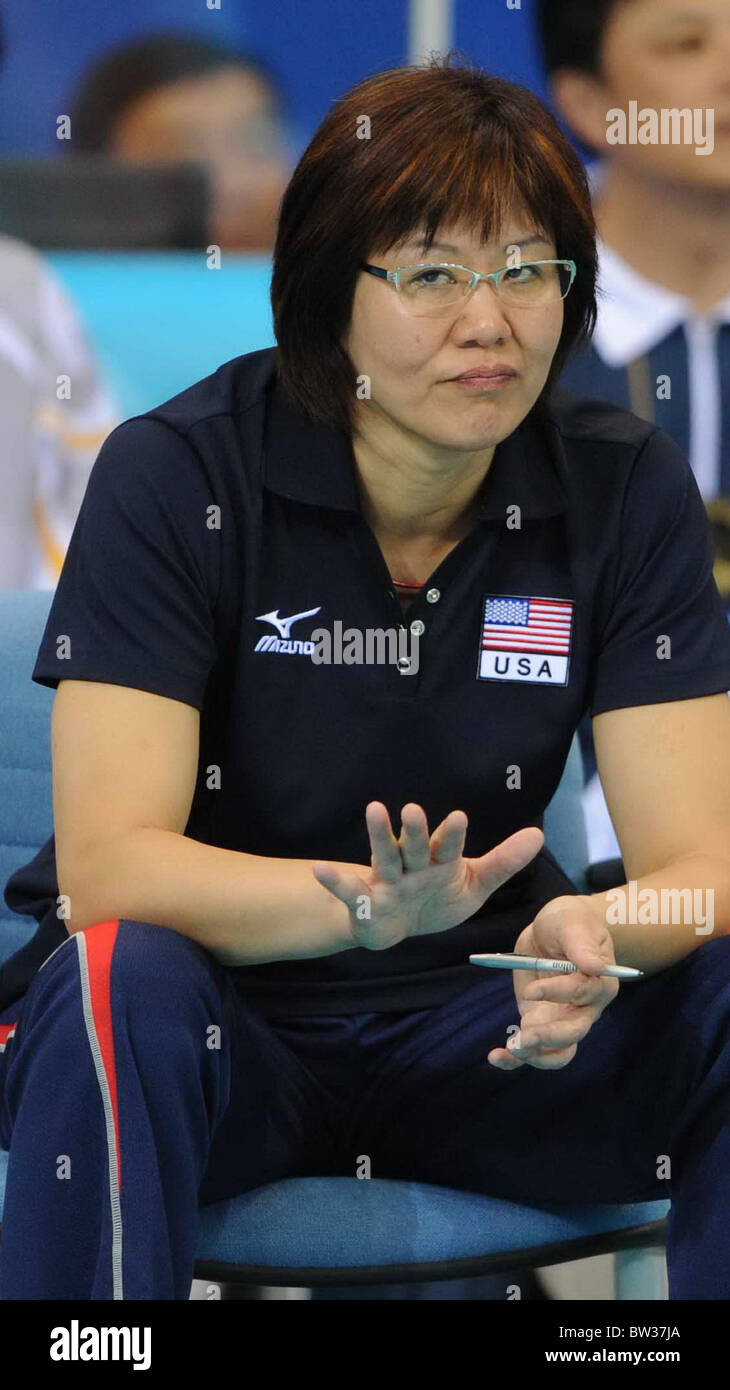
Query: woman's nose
[(483, 311)]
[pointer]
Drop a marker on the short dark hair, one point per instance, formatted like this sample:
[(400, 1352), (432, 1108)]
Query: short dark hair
[(571, 32), (447, 141), (130, 72)]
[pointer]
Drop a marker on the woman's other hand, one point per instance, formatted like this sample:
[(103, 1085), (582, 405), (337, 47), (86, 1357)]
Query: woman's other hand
[(420, 884), (556, 1011)]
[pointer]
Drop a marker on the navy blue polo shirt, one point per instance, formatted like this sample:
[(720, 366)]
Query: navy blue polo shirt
[(225, 517)]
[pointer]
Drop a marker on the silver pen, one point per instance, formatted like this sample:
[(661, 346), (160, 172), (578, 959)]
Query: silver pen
[(499, 960)]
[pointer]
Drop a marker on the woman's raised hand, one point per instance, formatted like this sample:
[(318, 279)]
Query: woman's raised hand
[(419, 884)]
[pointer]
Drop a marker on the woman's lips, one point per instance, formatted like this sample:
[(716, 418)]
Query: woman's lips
[(484, 383)]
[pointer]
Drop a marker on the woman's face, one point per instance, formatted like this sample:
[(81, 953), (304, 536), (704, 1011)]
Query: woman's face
[(412, 361)]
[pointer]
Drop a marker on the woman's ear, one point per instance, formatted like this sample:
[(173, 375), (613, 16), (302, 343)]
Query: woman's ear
[(583, 102)]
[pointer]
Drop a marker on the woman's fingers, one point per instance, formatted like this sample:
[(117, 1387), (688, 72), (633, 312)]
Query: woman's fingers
[(573, 989), (346, 886), (553, 1037), (415, 850), (385, 852), (583, 937), (521, 1053), (548, 1035), (447, 841), (414, 846), (506, 1060), (507, 858), (545, 1043)]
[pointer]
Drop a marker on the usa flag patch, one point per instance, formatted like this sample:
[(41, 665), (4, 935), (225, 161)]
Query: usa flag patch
[(525, 639)]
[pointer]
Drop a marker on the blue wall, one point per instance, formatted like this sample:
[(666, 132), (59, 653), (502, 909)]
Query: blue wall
[(160, 321), (318, 49), (49, 43)]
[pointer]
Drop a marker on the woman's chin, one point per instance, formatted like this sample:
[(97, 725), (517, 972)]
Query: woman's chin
[(481, 427)]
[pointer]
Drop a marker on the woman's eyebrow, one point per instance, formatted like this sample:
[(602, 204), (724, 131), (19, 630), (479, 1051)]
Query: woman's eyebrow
[(535, 240), (686, 16)]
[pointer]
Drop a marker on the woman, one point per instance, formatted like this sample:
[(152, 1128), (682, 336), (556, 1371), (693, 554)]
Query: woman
[(210, 777)]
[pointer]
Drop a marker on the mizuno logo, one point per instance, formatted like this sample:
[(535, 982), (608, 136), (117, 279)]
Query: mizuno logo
[(284, 625)]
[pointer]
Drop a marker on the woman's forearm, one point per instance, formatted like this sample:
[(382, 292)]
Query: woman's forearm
[(246, 909), (660, 918)]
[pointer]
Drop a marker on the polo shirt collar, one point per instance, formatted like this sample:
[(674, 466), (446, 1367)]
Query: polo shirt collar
[(635, 314), (307, 461)]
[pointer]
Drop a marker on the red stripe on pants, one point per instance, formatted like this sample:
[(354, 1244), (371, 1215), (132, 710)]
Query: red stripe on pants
[(100, 940)]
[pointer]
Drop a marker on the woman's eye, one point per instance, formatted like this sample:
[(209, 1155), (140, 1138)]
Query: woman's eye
[(519, 271), (691, 43), (423, 277)]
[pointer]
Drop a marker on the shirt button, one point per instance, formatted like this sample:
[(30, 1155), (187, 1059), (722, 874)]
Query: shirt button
[(403, 664), (418, 627), (433, 595)]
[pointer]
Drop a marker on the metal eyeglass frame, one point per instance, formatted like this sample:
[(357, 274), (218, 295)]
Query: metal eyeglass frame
[(476, 276)]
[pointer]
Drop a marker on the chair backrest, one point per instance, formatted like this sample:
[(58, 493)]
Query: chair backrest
[(26, 798), (564, 823)]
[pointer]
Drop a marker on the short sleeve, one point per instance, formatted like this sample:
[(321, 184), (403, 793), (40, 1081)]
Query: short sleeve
[(135, 600), (666, 635)]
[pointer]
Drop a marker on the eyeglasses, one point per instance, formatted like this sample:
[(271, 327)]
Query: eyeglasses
[(431, 288)]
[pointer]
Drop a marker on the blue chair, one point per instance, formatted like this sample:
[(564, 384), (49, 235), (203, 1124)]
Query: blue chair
[(330, 1231)]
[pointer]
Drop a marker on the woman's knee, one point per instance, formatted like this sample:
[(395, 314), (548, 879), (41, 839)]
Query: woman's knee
[(148, 961)]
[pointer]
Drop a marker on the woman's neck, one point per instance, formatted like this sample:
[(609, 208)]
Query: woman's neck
[(410, 498), (676, 235)]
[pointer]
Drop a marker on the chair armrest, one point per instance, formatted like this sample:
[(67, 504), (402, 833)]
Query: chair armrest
[(607, 873)]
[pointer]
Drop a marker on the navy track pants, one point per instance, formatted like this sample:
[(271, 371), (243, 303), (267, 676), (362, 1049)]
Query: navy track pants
[(136, 1084)]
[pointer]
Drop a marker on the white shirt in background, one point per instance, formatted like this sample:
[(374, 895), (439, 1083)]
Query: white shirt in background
[(49, 439)]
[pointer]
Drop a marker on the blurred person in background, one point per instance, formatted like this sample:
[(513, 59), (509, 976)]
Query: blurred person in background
[(663, 215), (173, 97), (56, 412)]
